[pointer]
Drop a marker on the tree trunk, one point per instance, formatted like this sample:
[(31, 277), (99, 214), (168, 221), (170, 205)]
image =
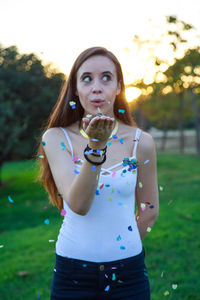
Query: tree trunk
[(180, 123), (164, 137), (196, 120)]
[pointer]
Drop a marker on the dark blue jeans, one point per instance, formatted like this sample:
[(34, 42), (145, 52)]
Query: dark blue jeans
[(123, 279)]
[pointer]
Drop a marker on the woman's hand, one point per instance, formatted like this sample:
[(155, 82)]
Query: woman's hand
[(100, 129)]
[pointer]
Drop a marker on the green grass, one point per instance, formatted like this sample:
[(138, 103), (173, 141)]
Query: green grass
[(172, 247)]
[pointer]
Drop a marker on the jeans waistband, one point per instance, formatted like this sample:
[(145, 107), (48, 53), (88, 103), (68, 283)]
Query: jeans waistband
[(95, 265)]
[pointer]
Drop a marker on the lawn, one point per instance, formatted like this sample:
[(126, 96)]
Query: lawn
[(172, 247)]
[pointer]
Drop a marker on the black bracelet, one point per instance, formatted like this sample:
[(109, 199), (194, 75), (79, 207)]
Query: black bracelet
[(94, 151), (95, 162)]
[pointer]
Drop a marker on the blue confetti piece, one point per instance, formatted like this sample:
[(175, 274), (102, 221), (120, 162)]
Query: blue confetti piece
[(115, 136), (84, 265), (10, 199), (98, 151), (122, 141), (64, 146), (110, 143), (93, 168), (43, 143), (151, 206), (119, 238), (76, 172), (118, 191), (121, 111), (89, 152), (107, 288), (97, 192), (145, 274), (73, 106), (107, 185), (75, 281), (120, 203), (122, 248), (38, 296), (46, 221), (130, 228), (94, 140)]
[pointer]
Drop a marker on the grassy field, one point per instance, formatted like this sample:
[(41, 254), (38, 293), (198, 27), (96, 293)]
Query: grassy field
[(172, 247)]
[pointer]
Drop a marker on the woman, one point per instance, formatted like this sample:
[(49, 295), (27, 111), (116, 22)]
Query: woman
[(96, 163)]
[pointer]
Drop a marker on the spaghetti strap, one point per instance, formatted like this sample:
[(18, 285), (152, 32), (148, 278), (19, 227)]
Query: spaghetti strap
[(136, 140), (68, 140)]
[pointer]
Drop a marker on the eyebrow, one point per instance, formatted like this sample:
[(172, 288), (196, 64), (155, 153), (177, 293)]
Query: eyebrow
[(89, 73)]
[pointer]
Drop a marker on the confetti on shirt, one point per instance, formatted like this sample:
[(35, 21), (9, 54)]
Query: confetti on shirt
[(10, 199), (76, 171), (121, 141), (51, 241), (146, 161), (72, 104), (114, 136), (113, 174), (121, 111), (113, 276), (122, 247), (75, 158), (110, 199), (46, 221), (151, 206), (119, 238), (88, 116), (43, 143), (109, 143), (63, 145), (38, 296), (130, 228)]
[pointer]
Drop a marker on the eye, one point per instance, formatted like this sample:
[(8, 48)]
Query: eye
[(86, 78), (106, 78)]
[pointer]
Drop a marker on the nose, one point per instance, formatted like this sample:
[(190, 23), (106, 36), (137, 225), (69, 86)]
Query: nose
[(96, 87)]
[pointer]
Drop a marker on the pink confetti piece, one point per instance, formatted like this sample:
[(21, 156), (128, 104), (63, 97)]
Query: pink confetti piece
[(113, 174), (63, 212), (75, 158), (45, 207), (101, 186), (106, 275)]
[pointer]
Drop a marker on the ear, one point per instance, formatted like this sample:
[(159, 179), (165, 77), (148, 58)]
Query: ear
[(118, 88)]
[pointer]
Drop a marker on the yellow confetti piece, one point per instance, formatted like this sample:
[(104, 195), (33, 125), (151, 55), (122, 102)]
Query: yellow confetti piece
[(110, 199), (112, 190), (71, 103), (148, 229), (140, 184), (127, 183), (166, 293), (161, 188), (97, 177), (174, 286), (137, 217), (143, 206)]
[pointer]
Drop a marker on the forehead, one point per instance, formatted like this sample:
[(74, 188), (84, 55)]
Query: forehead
[(97, 64)]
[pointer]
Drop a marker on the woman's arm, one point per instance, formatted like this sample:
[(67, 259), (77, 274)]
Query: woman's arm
[(147, 186)]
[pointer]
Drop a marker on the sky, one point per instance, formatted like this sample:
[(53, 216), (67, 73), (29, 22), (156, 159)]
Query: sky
[(58, 31)]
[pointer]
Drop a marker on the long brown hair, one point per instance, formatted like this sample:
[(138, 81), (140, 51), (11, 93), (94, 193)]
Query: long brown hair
[(63, 115)]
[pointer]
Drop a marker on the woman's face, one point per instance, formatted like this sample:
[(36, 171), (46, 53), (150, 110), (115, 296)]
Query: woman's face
[(97, 85)]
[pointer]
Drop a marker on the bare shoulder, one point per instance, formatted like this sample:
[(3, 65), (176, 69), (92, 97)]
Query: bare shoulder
[(52, 133), (146, 146)]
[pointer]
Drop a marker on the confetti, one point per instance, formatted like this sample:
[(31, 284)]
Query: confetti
[(84, 265), (75, 281), (110, 199), (93, 168), (1, 246), (60, 195), (137, 217), (97, 177), (122, 248), (161, 188), (148, 229), (107, 288), (72, 103), (63, 212), (64, 146), (174, 286), (46, 221), (121, 111), (121, 141), (107, 185), (40, 156), (43, 143), (146, 161), (112, 190), (97, 192), (162, 274), (38, 296), (127, 183), (10, 199), (113, 276), (113, 174), (143, 206), (146, 274), (75, 158), (51, 241), (106, 275), (88, 116), (101, 185), (130, 228), (151, 206), (101, 267), (114, 136), (166, 293), (76, 171), (170, 202), (140, 184), (45, 207), (94, 140), (119, 238), (110, 143)]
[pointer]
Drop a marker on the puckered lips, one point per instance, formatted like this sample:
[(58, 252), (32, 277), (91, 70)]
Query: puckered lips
[(98, 102)]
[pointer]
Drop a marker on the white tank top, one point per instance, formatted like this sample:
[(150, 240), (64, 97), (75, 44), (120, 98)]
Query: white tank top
[(109, 230)]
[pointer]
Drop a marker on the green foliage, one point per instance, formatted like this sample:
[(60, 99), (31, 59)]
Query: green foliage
[(172, 247), (28, 91)]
